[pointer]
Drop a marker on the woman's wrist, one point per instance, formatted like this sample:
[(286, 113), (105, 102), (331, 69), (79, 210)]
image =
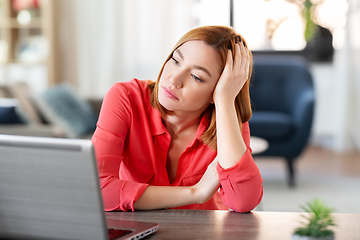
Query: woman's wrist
[(194, 194), (197, 194), (224, 101)]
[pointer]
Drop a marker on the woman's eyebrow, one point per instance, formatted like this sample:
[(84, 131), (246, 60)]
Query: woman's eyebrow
[(180, 54), (196, 66)]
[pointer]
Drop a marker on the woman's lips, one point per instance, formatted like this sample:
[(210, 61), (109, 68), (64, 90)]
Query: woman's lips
[(169, 93)]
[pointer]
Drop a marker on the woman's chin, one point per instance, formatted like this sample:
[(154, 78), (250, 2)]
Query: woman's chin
[(166, 105)]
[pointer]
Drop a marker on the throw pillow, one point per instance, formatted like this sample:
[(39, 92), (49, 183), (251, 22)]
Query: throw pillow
[(60, 105), (9, 112)]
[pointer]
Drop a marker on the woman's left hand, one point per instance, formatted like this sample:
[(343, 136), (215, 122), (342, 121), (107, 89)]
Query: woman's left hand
[(208, 184), (234, 76)]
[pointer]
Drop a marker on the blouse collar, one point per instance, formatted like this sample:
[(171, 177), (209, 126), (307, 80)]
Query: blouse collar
[(158, 127)]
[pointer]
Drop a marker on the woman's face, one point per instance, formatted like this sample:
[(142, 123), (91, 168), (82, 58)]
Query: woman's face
[(189, 78)]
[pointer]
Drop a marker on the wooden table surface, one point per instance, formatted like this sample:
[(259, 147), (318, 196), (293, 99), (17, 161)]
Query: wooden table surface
[(200, 224)]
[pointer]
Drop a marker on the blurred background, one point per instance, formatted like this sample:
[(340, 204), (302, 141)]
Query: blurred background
[(91, 44)]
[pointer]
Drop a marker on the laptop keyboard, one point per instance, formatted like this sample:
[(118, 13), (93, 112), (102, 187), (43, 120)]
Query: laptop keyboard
[(116, 233)]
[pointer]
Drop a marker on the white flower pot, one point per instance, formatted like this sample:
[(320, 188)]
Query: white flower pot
[(298, 237)]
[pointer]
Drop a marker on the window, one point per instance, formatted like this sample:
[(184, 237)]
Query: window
[(274, 24)]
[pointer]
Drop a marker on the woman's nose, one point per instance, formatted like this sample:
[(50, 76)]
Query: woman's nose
[(177, 79)]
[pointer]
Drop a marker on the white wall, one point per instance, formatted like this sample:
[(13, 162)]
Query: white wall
[(337, 115)]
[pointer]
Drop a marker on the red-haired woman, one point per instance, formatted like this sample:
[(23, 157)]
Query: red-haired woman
[(182, 141)]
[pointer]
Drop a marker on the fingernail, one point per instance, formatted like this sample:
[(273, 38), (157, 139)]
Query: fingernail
[(229, 46), (240, 40), (236, 40)]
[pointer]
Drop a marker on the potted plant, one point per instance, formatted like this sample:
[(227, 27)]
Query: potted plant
[(307, 9), (319, 219), (319, 46)]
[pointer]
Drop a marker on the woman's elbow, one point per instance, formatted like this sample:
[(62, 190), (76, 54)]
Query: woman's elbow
[(249, 205), (246, 197)]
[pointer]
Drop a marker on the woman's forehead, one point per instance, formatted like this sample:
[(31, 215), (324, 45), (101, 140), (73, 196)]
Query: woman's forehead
[(200, 53)]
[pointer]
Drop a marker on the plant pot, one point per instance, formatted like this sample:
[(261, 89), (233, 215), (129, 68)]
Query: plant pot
[(298, 237), (320, 48)]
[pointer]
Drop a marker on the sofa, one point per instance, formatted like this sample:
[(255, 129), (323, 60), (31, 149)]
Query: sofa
[(56, 112)]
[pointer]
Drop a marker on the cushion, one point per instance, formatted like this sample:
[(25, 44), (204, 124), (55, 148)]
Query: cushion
[(9, 112), (22, 92), (61, 106), (270, 125)]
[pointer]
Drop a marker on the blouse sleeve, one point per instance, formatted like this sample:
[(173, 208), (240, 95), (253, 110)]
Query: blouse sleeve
[(241, 185), (108, 140)]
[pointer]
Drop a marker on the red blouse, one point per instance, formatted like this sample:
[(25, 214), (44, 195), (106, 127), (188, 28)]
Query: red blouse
[(131, 145)]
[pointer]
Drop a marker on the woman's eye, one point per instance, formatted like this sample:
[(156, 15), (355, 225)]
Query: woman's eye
[(196, 78), (175, 61)]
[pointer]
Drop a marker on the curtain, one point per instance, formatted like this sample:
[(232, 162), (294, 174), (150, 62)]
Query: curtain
[(347, 114), (354, 78), (117, 40)]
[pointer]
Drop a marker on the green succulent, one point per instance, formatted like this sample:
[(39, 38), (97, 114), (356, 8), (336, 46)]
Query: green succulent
[(319, 219)]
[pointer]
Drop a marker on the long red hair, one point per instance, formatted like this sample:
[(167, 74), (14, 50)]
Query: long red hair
[(221, 38)]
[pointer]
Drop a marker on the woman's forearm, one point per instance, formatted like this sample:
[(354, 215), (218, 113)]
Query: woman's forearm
[(230, 143), (159, 197)]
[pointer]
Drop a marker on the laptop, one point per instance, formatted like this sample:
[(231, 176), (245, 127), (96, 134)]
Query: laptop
[(49, 189)]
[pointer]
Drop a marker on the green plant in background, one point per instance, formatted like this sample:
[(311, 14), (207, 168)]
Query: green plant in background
[(308, 15), (319, 219), (307, 9)]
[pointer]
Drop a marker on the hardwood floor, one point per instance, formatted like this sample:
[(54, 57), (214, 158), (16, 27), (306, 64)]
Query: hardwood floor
[(320, 173), (322, 161), (317, 161)]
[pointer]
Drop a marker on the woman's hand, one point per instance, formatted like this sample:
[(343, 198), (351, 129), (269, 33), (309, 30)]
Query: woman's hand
[(234, 76), (230, 143), (205, 189)]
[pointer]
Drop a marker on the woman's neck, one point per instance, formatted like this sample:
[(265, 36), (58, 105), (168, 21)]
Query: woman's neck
[(179, 122)]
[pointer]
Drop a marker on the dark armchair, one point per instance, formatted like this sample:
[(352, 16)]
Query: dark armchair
[(283, 98)]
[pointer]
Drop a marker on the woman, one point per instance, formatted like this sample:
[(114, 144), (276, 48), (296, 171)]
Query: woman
[(182, 141)]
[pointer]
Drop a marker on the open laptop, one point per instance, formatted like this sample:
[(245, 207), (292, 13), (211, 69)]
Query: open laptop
[(49, 189)]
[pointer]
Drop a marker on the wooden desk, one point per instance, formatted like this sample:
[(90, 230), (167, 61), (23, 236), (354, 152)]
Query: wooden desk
[(197, 224)]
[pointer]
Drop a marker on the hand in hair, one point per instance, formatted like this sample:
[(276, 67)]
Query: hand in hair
[(234, 75)]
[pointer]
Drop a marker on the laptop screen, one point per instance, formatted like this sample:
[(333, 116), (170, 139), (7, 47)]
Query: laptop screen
[(49, 189)]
